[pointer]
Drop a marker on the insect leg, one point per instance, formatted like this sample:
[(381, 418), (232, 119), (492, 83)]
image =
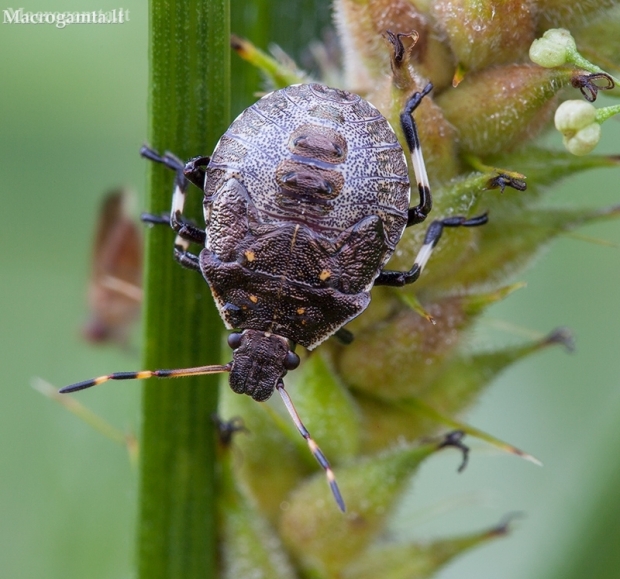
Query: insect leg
[(314, 448), (186, 232), (418, 213), (194, 171), (181, 182), (345, 337), (433, 234), (185, 258), (177, 373), (227, 429)]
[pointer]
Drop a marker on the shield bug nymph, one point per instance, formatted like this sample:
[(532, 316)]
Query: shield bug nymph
[(305, 197)]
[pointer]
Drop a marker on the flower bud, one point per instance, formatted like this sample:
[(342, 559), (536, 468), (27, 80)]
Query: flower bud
[(576, 120), (555, 48), (583, 141), (558, 47), (498, 108), (407, 348), (478, 30)]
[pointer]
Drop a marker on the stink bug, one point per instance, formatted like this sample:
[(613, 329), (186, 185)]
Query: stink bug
[(305, 198)]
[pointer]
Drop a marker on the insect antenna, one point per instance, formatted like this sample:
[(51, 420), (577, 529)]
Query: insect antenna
[(177, 373), (314, 447)]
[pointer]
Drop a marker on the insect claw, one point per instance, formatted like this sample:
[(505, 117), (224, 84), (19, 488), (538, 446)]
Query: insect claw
[(454, 439), (228, 428)]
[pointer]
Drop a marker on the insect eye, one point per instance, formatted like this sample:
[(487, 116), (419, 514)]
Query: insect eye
[(234, 340), (291, 361)]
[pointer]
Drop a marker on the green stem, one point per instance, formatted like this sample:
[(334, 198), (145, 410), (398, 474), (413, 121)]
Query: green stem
[(606, 112), (578, 60), (189, 110)]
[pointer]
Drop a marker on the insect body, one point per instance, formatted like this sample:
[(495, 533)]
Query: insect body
[(305, 198)]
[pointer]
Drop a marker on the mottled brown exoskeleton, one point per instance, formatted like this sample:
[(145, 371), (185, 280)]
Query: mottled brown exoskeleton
[(305, 197)]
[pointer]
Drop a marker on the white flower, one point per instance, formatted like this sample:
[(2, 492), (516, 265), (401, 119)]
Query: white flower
[(581, 132), (555, 48)]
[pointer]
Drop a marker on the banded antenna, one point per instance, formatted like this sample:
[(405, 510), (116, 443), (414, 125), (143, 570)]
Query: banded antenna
[(216, 369)]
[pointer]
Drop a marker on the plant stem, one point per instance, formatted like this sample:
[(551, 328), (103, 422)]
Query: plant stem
[(605, 113), (189, 109)]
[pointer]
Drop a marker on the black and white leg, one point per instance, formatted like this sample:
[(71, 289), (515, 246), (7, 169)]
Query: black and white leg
[(184, 229), (186, 232), (433, 234), (192, 170), (418, 213)]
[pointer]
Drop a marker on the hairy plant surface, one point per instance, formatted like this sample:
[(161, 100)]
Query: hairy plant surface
[(409, 376)]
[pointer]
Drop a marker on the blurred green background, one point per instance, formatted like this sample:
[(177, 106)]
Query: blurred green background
[(72, 118)]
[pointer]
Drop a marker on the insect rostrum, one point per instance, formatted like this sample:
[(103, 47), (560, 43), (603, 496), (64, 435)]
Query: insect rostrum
[(305, 199)]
